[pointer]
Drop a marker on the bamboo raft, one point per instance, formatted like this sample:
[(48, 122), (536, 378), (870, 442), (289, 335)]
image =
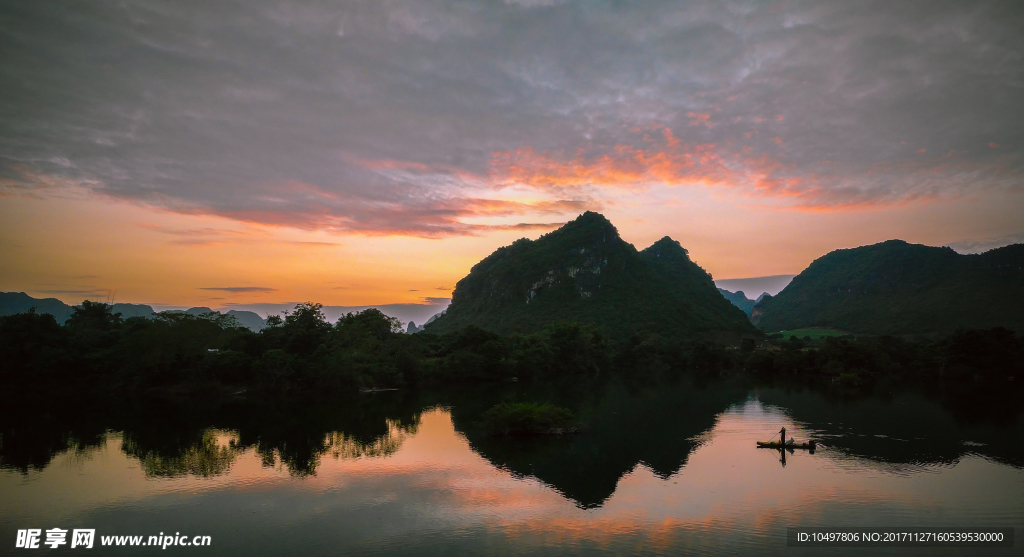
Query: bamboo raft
[(810, 445)]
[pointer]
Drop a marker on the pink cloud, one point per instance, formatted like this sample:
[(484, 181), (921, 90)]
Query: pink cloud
[(700, 118)]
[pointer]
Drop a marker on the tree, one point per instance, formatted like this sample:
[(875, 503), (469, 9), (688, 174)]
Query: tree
[(94, 324), (373, 321), (305, 328)]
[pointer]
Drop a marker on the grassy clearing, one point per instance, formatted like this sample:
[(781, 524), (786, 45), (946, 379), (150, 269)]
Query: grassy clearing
[(812, 332)]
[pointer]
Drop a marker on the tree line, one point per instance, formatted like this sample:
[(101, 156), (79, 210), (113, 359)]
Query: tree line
[(301, 351)]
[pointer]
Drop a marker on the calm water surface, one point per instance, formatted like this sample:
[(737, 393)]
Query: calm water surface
[(670, 470)]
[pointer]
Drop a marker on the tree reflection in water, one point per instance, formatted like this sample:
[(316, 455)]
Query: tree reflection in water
[(210, 456), (657, 425)]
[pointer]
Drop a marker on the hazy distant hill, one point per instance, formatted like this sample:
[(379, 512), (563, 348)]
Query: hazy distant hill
[(19, 302), (900, 288), (772, 284), (413, 329), (248, 319), (133, 310), (585, 272), (739, 299)]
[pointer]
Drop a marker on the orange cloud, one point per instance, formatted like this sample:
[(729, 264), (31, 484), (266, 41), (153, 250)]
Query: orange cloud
[(426, 219), (671, 162), (623, 167), (700, 118)]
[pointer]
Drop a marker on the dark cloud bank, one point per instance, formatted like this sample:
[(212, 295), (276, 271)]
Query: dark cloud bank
[(389, 116)]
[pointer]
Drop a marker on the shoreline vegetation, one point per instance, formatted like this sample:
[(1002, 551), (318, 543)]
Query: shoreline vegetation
[(185, 355), (303, 389)]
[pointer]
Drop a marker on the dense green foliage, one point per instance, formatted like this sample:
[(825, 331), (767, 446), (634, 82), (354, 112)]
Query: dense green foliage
[(996, 354), (584, 272), (524, 418), (900, 288), (300, 352), (178, 353)]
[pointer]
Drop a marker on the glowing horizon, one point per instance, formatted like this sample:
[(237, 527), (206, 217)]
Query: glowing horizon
[(373, 153)]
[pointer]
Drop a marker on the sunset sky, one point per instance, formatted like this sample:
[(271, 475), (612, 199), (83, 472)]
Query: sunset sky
[(370, 152)]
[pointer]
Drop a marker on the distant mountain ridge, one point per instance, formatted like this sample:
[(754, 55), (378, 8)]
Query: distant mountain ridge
[(20, 302), (772, 284), (585, 272), (740, 300), (899, 288)]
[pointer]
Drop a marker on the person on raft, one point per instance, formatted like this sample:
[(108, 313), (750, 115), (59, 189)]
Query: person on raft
[(783, 432)]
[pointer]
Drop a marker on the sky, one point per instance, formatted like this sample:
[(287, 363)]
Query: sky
[(371, 152)]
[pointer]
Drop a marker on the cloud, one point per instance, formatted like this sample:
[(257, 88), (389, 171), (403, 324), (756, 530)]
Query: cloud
[(86, 292), (436, 301), (385, 118), (203, 237), (315, 244), (981, 246), (831, 185), (241, 289)]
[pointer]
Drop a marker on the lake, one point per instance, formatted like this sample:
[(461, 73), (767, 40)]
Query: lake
[(660, 469)]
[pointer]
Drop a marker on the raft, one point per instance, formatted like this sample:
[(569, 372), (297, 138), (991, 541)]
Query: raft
[(777, 445)]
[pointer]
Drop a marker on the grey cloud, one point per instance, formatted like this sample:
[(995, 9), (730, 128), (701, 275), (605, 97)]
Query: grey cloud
[(981, 246), (434, 301), (241, 289), (77, 291), (383, 116)]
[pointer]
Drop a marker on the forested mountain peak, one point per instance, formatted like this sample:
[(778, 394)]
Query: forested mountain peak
[(895, 287), (585, 272)]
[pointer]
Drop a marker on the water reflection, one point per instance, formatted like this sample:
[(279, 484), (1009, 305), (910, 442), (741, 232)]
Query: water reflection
[(171, 440), (654, 426), (904, 430), (670, 468), (209, 456), (657, 427)]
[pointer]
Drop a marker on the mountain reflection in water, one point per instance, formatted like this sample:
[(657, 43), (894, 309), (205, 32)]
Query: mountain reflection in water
[(656, 463)]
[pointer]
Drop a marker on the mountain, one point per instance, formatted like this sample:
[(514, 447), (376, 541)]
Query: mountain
[(133, 310), (772, 284), (739, 299), (248, 319), (19, 302), (413, 329), (585, 272), (900, 288)]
